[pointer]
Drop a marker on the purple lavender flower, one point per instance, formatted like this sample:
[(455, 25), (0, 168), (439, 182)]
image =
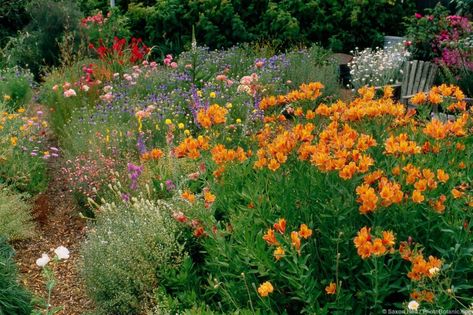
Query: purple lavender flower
[(125, 197), (170, 185), (140, 144), (134, 172)]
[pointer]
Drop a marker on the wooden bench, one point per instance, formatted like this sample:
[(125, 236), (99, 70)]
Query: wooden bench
[(418, 76)]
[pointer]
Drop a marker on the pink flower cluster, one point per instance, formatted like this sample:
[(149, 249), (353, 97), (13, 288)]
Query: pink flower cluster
[(452, 55), (249, 84), (97, 19), (84, 83), (86, 174), (168, 62)]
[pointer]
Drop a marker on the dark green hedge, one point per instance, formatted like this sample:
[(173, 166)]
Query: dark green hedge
[(337, 24)]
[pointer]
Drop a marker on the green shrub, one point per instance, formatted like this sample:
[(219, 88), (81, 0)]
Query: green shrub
[(15, 217), (15, 87), (126, 253), (14, 300), (39, 43), (339, 24), (14, 17), (101, 30)]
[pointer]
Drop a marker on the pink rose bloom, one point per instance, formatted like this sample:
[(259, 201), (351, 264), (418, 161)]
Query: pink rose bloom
[(229, 82), (69, 93), (145, 62), (254, 77), (259, 64), (221, 77), (127, 77), (55, 87), (246, 80), (173, 65), (140, 114), (106, 97), (85, 88), (418, 15), (66, 86), (153, 64)]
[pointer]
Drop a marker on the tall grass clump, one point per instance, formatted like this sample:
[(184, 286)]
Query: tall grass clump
[(14, 300), (15, 216)]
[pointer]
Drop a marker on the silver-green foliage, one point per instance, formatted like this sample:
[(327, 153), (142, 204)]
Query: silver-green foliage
[(15, 216), (131, 244)]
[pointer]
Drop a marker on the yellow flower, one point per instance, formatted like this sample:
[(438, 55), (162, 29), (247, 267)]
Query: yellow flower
[(228, 105), (213, 95), (304, 231), (6, 98), (168, 121), (21, 110), (265, 289), (13, 141), (187, 132), (238, 121), (180, 126), (278, 253), (331, 288), (199, 93)]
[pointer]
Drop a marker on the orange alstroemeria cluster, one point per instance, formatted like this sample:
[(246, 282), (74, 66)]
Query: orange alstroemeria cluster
[(424, 180), (213, 115), (274, 153), (389, 191), (401, 145), (222, 155), (363, 107), (439, 130), (367, 246), (280, 227), (421, 267), (154, 154), (191, 147), (437, 94), (423, 296), (340, 149), (308, 92)]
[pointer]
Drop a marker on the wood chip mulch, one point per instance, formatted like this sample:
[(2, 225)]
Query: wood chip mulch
[(58, 223)]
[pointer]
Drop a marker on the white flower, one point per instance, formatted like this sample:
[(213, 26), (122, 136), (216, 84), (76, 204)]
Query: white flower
[(107, 88), (43, 261), (434, 270), (62, 252), (413, 305)]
